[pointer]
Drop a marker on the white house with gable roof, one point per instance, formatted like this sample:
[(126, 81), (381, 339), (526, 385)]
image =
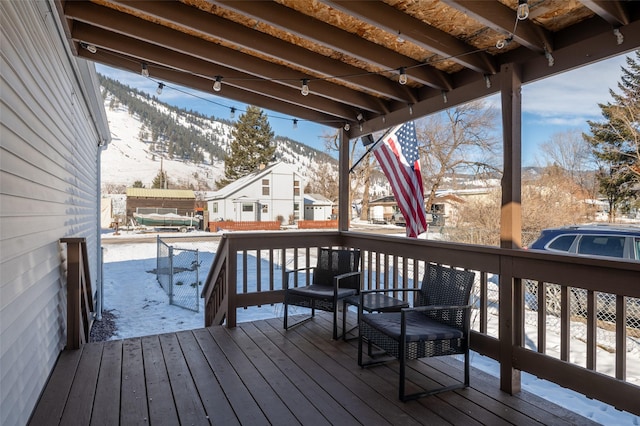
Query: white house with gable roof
[(273, 192)]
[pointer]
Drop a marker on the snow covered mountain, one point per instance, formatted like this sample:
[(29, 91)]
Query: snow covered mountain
[(149, 136)]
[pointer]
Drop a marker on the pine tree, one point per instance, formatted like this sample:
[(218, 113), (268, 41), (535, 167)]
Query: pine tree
[(615, 142), (160, 181), (251, 147)]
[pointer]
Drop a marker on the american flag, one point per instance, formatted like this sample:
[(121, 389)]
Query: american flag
[(398, 157)]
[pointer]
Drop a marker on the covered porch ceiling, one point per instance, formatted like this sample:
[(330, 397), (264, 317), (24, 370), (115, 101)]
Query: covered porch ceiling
[(350, 53)]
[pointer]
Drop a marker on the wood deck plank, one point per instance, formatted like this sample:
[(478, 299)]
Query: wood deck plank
[(336, 379), (260, 374), (438, 410), (214, 401), (383, 383), (133, 402), (186, 397), (332, 410), (245, 407), (291, 396), (107, 411), (54, 396), (82, 392), (273, 407), (162, 409)]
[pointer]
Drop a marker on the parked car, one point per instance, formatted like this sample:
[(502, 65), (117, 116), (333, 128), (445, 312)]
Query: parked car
[(617, 241)]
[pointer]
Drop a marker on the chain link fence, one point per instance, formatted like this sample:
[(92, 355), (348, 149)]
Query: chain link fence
[(178, 272)]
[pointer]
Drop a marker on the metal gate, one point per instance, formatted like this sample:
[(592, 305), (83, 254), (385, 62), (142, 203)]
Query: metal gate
[(178, 272)]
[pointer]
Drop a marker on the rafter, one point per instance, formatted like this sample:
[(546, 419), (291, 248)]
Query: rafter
[(209, 25), (502, 19), (614, 12), (238, 68), (391, 19), (349, 44)]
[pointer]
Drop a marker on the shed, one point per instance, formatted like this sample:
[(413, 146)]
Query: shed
[(317, 207), (179, 201)]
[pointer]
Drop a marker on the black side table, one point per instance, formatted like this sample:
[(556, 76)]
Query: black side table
[(371, 302)]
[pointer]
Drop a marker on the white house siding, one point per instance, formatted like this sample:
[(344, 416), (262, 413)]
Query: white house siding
[(50, 129)]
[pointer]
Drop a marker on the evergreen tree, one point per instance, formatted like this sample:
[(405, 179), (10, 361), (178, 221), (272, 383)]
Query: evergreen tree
[(138, 184), (251, 147), (160, 181), (615, 142)]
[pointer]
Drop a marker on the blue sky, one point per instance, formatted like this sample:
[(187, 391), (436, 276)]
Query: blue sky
[(550, 106)]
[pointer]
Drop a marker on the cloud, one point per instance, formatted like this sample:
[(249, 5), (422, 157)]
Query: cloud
[(573, 96)]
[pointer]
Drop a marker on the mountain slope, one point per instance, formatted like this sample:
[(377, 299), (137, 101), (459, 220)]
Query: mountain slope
[(149, 136)]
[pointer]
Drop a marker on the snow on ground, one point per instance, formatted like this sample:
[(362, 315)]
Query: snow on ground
[(141, 307)]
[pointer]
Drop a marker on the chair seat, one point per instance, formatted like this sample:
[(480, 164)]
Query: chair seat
[(320, 291), (419, 326)]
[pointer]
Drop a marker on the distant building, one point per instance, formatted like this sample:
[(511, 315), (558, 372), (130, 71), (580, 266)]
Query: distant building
[(143, 200), (274, 192), (317, 207)]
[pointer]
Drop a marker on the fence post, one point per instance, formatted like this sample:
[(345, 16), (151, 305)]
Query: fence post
[(197, 286), (170, 275)]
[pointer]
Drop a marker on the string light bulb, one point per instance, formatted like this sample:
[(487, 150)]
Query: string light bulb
[(92, 48), (218, 83), (346, 127), (487, 81), (159, 89), (549, 57), (145, 70), (445, 99), (410, 109), (305, 87), (295, 123), (402, 78), (619, 36), (523, 10), (233, 113)]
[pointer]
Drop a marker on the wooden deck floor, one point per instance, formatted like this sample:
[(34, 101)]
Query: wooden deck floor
[(258, 374)]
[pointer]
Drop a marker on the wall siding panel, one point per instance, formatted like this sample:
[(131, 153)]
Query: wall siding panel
[(48, 190)]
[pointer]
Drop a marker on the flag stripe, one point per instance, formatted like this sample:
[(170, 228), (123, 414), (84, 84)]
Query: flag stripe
[(398, 158)]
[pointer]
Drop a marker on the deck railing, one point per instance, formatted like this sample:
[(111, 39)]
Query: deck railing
[(80, 306), (249, 270)]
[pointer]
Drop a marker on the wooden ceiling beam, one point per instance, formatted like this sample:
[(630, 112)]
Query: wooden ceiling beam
[(153, 54), (395, 21), (339, 40), (501, 18), (209, 25), (614, 12), (130, 63), (226, 62)]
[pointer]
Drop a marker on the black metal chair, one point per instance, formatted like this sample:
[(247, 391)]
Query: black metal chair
[(437, 325), (335, 277)]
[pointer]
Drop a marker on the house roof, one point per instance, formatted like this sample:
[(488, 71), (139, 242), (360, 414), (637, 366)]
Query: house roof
[(242, 182), (161, 193), (351, 53), (318, 199)]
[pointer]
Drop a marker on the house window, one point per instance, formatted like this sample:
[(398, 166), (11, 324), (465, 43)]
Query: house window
[(265, 208), (296, 188), (265, 187), (296, 207), (214, 207), (247, 207)]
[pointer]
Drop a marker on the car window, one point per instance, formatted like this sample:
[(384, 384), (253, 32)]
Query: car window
[(602, 245), (636, 243), (562, 243)]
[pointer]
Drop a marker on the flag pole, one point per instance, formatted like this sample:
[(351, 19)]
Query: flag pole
[(371, 148)]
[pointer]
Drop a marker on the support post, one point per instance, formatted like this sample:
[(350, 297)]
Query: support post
[(510, 333), (344, 207)]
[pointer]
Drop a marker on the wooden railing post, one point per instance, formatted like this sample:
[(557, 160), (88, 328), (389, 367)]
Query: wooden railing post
[(508, 332), (79, 294)]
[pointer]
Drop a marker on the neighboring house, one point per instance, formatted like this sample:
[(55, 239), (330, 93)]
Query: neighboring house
[(143, 200), (275, 191), (317, 207), (53, 127)]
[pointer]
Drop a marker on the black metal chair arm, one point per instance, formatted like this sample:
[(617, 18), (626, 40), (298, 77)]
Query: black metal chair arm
[(292, 271), (436, 308)]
